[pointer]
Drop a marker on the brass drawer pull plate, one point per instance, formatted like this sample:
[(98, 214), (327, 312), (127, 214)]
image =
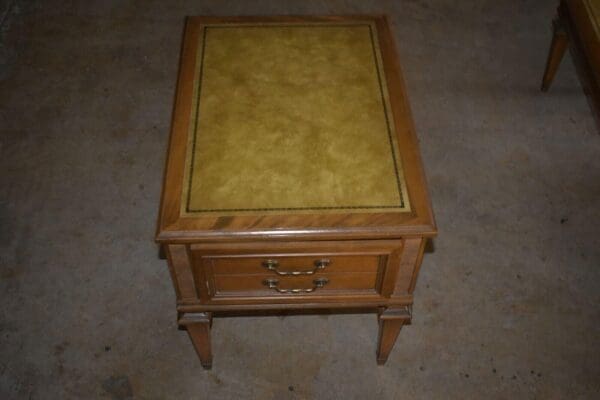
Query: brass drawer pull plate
[(318, 283), (273, 265)]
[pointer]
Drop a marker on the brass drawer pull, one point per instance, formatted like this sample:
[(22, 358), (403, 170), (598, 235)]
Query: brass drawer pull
[(272, 265), (318, 283)]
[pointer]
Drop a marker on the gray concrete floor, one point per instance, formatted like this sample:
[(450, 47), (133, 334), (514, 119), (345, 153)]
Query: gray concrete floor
[(507, 306)]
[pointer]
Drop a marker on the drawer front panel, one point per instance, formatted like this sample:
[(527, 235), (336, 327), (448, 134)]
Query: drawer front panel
[(341, 269), (304, 285), (292, 264)]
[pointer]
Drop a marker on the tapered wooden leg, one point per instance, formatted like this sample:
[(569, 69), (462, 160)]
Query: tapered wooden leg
[(560, 42), (198, 328), (391, 321)]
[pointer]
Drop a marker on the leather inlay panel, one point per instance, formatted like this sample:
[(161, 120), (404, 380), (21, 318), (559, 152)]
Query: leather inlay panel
[(291, 118)]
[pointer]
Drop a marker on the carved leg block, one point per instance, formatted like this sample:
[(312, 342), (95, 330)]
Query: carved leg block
[(391, 321), (560, 42), (198, 328)]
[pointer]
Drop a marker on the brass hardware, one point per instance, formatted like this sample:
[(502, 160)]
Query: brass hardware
[(272, 265), (318, 283)]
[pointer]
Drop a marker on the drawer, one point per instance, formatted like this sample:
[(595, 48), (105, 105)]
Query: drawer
[(293, 264), (298, 269), (294, 285)]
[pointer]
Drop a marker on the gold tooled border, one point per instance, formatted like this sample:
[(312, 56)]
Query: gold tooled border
[(404, 205)]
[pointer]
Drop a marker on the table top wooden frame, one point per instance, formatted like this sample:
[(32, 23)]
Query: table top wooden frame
[(175, 228)]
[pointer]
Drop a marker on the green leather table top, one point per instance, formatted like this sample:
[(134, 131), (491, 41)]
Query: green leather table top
[(291, 118)]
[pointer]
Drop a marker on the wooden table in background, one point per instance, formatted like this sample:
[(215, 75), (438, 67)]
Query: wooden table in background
[(577, 26)]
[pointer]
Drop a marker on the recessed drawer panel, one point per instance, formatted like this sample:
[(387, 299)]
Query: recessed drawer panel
[(290, 264), (317, 284), (298, 269)]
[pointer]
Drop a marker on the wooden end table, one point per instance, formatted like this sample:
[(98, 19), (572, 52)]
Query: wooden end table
[(293, 179)]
